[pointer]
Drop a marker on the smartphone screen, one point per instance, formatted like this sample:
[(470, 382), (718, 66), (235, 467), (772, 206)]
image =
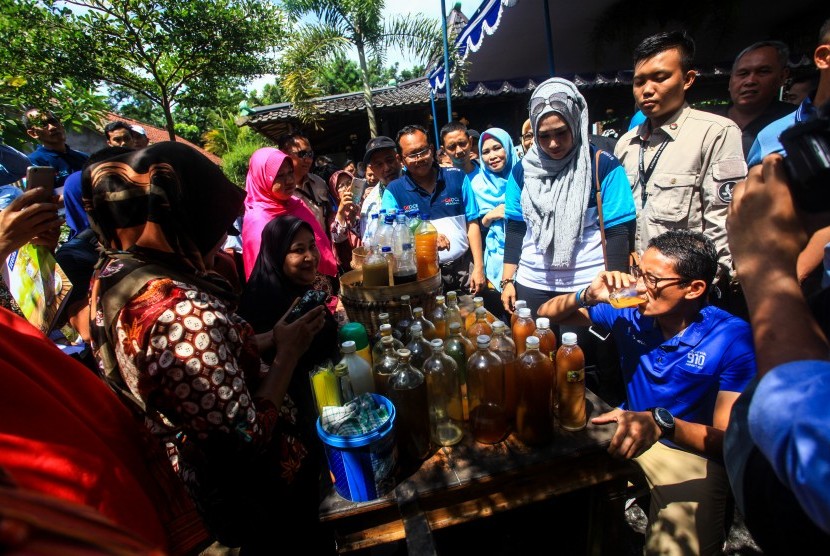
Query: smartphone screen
[(358, 185), (41, 176)]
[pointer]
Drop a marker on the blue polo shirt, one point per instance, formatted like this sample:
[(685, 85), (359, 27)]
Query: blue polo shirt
[(450, 206), (65, 163), (685, 373), (767, 141)]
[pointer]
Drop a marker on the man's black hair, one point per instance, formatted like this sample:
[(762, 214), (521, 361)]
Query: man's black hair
[(112, 126), (694, 254), (824, 33), (782, 52), (655, 44), (408, 129), (284, 141), (451, 127), (30, 122)]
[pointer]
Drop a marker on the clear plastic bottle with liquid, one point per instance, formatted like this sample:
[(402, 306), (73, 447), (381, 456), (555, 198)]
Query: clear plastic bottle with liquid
[(570, 384), (405, 269), (523, 327), (547, 338), (414, 220), (385, 365), (344, 383), (384, 330), (444, 394), (519, 304), (426, 248), (478, 301), (375, 270), (460, 348), (485, 391), (368, 239), (360, 372), (480, 325), (534, 415)]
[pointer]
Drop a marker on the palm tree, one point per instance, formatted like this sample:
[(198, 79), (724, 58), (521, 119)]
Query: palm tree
[(340, 26)]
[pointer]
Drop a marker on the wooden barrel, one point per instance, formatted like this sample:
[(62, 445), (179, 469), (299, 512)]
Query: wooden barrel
[(363, 304)]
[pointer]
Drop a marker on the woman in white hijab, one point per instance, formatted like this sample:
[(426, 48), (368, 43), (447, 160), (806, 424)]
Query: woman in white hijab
[(553, 241)]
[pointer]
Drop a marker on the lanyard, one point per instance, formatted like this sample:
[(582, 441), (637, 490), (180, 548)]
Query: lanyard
[(645, 174)]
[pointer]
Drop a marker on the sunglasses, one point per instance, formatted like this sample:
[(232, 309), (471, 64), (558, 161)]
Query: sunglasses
[(304, 154), (538, 104)]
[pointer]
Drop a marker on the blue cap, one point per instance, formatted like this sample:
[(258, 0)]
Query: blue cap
[(386, 249)]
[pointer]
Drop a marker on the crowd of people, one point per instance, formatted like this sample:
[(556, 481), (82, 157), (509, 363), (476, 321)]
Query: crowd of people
[(193, 401)]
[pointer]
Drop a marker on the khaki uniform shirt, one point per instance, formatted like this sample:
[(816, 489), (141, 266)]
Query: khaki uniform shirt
[(691, 185), (314, 193)]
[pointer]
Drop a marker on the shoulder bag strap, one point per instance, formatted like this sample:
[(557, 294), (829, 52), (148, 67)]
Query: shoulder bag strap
[(599, 208)]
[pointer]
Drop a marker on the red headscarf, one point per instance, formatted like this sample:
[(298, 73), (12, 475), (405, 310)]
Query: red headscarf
[(261, 207)]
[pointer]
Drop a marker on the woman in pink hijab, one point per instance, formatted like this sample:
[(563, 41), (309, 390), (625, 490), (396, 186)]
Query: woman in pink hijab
[(270, 186)]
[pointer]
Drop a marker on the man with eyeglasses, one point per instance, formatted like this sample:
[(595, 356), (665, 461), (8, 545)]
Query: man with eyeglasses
[(382, 162), (445, 195), (311, 189), (684, 364), (47, 129), (682, 163)]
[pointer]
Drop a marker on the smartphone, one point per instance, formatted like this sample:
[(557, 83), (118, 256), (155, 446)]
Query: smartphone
[(41, 176), (358, 186), (309, 300)]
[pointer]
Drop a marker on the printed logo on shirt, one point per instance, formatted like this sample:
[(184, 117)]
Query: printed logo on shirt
[(413, 206), (451, 201), (696, 359), (725, 191)]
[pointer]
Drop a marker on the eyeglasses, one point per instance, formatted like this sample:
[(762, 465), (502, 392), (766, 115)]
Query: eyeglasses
[(304, 154), (654, 281), (528, 136), (418, 155), (538, 104)]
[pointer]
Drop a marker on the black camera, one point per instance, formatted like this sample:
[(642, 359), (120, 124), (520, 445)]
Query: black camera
[(309, 300), (808, 161)]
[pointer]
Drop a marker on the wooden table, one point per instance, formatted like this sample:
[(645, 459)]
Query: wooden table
[(470, 480)]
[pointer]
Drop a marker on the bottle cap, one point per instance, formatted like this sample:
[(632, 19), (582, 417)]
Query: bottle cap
[(405, 299), (480, 311), (424, 216), (387, 339), (569, 338), (385, 326), (497, 325), (416, 328), (532, 342), (543, 322), (403, 352), (390, 218), (452, 294), (483, 340), (347, 347), (383, 316), (417, 311), (386, 249), (356, 332), (455, 326), (407, 246), (375, 216), (519, 304), (341, 369), (478, 300), (437, 343), (524, 312), (439, 298)]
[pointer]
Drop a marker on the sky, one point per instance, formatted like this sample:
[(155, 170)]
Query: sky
[(430, 8)]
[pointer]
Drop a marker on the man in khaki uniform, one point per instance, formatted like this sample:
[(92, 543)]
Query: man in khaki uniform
[(682, 163)]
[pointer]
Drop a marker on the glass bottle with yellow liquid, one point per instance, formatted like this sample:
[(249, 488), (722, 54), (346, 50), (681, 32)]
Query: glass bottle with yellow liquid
[(480, 325), (419, 348), (385, 365), (534, 415), (427, 327), (439, 317), (406, 319), (460, 348), (471, 316), (453, 311), (444, 393), (378, 349), (519, 304), (375, 269), (503, 346), (408, 392)]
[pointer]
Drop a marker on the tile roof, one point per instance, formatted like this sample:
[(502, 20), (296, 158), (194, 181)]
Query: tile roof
[(157, 134)]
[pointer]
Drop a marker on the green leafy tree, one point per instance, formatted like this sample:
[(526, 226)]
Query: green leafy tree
[(164, 50), (36, 70), (343, 25)]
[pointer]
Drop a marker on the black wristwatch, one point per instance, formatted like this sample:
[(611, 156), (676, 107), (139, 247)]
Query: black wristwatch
[(664, 420)]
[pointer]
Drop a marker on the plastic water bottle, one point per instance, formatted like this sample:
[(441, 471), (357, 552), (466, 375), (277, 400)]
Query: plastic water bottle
[(360, 372), (426, 248), (369, 240), (414, 220)]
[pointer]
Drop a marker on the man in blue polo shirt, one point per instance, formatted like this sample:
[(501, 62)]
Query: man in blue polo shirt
[(684, 364), (53, 151), (445, 195)]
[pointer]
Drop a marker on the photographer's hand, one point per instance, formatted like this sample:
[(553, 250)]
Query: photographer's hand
[(766, 236)]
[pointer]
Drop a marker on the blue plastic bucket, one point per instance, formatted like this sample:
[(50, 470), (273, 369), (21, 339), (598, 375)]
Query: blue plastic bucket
[(363, 466)]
